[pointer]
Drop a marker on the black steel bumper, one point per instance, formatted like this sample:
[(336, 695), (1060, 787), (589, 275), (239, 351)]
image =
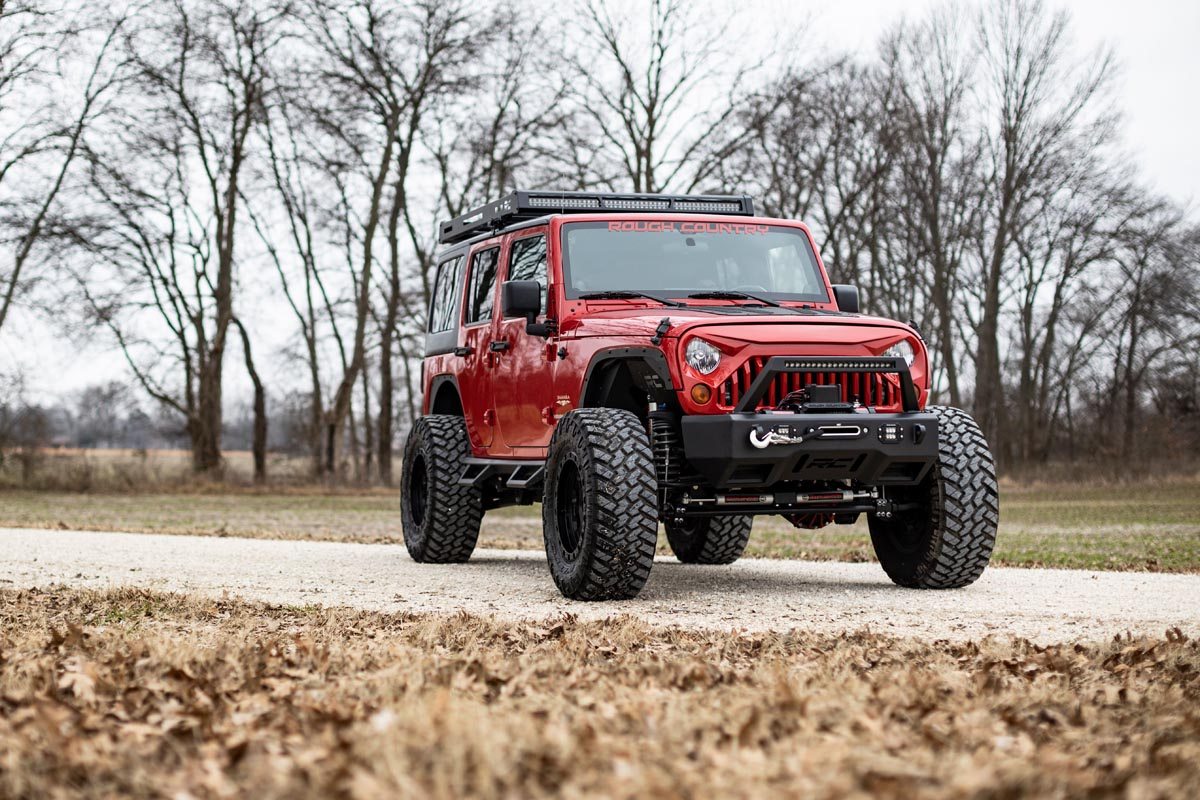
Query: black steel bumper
[(873, 449), (886, 449)]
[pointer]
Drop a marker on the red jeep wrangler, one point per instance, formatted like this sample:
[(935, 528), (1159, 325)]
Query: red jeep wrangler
[(629, 359)]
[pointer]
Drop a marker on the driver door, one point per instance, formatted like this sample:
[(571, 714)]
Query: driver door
[(523, 376)]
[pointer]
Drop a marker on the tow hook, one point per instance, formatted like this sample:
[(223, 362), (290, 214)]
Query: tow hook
[(762, 437)]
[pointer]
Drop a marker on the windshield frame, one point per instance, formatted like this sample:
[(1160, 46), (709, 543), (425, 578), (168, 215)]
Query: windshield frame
[(572, 293)]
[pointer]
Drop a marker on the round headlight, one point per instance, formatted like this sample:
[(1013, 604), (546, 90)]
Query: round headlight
[(702, 356), (902, 349)]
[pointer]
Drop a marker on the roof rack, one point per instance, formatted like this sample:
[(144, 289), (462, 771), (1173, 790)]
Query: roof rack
[(521, 206)]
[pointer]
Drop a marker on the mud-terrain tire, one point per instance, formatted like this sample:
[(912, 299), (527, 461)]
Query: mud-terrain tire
[(709, 540), (947, 542), (600, 508), (440, 518)]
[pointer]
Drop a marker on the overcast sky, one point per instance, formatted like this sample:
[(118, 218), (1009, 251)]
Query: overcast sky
[(1156, 43)]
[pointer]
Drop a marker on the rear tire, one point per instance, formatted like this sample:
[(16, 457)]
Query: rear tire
[(440, 518), (947, 542), (709, 540), (600, 509)]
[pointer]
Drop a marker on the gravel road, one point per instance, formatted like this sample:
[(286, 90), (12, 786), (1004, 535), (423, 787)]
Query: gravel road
[(1042, 605)]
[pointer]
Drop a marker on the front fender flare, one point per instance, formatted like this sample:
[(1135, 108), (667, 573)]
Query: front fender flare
[(648, 367)]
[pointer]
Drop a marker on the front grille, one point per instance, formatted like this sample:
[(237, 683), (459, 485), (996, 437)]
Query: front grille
[(878, 390)]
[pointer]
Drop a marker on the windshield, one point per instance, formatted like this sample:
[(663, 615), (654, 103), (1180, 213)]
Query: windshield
[(676, 259)]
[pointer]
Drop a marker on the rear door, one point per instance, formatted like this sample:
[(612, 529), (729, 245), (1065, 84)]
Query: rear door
[(522, 378), (474, 374)]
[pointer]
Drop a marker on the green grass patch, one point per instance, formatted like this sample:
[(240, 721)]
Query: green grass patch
[(1108, 527)]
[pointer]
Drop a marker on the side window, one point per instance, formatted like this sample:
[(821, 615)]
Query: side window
[(528, 262), (445, 294), (482, 293)]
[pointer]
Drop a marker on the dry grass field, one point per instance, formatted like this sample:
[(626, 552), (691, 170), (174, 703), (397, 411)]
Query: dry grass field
[(138, 694), (1138, 526), (134, 694)]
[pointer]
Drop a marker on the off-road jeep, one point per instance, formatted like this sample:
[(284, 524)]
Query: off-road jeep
[(628, 360)]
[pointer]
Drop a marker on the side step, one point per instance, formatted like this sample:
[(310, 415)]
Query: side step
[(516, 474)]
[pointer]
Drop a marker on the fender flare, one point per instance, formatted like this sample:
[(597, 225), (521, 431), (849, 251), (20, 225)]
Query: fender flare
[(649, 368), (437, 385)]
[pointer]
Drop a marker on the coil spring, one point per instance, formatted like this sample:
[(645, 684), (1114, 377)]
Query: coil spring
[(668, 450)]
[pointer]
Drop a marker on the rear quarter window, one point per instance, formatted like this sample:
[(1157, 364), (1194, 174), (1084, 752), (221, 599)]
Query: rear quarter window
[(445, 295)]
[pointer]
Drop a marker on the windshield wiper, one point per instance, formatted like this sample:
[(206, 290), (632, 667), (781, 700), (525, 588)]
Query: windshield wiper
[(628, 295), (731, 294)]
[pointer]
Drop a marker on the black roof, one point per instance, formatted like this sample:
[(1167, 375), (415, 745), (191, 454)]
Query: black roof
[(522, 206)]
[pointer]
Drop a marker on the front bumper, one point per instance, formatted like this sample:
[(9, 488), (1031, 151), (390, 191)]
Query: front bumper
[(887, 449)]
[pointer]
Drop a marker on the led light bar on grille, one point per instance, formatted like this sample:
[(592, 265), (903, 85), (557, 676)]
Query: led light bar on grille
[(825, 364), (522, 206)]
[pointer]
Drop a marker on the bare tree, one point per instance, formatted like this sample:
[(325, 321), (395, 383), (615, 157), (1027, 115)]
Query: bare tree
[(169, 178), (1158, 306), (644, 76), (292, 171), (380, 65), (936, 194), (1041, 103), (43, 119)]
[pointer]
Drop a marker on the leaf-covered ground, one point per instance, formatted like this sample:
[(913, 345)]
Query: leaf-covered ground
[(1146, 527), (129, 693)]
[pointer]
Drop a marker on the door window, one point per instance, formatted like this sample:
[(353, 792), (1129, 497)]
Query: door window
[(482, 294), (528, 262)]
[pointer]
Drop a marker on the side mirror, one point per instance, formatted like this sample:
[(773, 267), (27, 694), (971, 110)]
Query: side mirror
[(522, 299), (846, 297)]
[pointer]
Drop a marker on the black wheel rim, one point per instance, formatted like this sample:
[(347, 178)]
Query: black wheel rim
[(418, 490), (570, 509)]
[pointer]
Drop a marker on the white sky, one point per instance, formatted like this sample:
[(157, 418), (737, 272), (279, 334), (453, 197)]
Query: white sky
[(1156, 43)]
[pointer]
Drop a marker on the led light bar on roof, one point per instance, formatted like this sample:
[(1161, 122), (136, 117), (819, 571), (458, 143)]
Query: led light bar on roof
[(522, 206), (540, 201)]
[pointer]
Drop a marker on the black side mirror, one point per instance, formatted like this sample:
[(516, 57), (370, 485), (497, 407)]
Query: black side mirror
[(846, 297), (523, 299)]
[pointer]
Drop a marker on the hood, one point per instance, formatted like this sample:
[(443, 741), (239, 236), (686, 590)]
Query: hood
[(732, 327)]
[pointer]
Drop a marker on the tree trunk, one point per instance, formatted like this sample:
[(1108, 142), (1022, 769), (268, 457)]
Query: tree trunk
[(368, 432), (989, 401), (386, 406), (259, 447)]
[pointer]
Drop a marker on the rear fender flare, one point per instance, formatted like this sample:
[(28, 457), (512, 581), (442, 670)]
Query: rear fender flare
[(440, 388)]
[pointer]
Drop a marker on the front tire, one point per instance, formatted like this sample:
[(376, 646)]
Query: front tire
[(600, 508), (440, 518), (947, 541), (709, 540)]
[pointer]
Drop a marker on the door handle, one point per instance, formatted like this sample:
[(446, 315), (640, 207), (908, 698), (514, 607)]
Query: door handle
[(498, 346), (463, 352)]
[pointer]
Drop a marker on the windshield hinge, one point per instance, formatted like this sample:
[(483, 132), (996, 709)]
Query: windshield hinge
[(664, 325)]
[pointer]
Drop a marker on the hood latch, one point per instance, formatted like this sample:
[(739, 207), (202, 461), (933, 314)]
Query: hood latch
[(664, 325)]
